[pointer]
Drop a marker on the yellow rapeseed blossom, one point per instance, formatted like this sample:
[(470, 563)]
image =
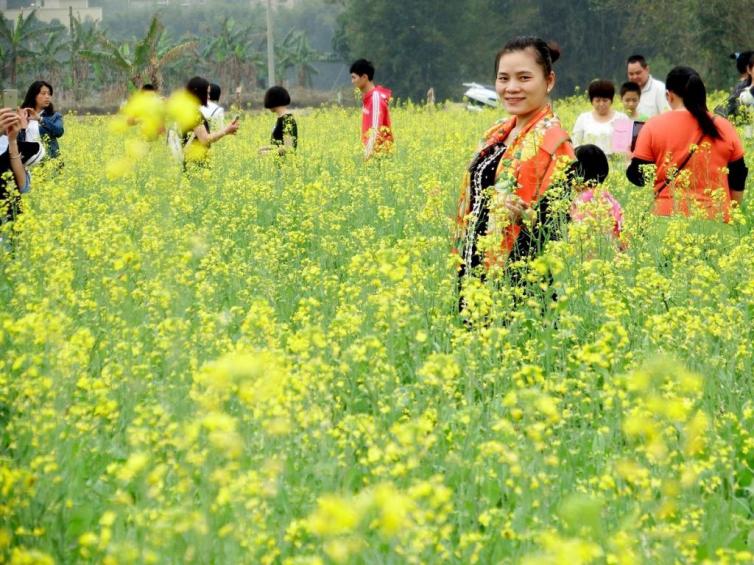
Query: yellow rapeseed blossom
[(272, 360)]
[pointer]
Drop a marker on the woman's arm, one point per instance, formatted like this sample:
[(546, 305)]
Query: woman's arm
[(207, 139), (10, 122), (634, 174), (20, 176), (52, 125), (577, 137), (289, 138), (737, 173)]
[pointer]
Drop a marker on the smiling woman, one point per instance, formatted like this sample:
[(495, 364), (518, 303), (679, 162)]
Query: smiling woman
[(516, 163)]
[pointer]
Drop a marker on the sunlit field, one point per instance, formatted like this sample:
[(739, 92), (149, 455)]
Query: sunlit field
[(264, 363)]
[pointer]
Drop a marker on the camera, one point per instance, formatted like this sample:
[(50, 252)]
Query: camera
[(10, 98)]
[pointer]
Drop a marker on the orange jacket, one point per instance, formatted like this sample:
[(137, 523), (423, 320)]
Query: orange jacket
[(541, 149)]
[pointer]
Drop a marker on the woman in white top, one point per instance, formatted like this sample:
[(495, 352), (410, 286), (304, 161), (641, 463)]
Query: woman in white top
[(596, 127)]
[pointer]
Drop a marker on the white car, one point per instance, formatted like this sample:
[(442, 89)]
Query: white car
[(479, 96)]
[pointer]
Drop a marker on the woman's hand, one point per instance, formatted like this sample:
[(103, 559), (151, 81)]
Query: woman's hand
[(23, 119), (32, 114), (231, 128), (10, 123), (517, 208)]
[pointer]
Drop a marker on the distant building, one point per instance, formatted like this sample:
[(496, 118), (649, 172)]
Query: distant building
[(155, 3), (51, 10)]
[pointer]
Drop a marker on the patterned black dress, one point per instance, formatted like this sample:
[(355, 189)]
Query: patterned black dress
[(482, 171)]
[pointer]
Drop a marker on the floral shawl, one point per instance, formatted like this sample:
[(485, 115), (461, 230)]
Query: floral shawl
[(527, 166)]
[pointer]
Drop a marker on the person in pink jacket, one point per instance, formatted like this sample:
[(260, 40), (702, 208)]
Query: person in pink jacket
[(376, 129), (587, 174)]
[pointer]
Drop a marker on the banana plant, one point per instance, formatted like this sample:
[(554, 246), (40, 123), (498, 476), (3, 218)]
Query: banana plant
[(235, 53), (50, 54), (83, 37), (18, 39), (144, 61), (298, 54)]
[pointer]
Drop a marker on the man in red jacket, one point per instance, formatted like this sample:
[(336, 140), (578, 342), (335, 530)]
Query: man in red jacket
[(376, 131)]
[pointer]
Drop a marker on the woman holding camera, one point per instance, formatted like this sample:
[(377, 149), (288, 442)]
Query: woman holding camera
[(39, 108), (198, 139)]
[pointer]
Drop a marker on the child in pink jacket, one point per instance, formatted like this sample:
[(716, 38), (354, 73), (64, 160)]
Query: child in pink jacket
[(588, 172)]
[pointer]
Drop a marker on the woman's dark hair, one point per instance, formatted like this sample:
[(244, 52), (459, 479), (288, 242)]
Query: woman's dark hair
[(630, 87), (363, 67), (30, 100), (199, 87), (214, 92), (546, 53), (275, 97), (686, 83), (601, 89), (590, 166), (743, 60)]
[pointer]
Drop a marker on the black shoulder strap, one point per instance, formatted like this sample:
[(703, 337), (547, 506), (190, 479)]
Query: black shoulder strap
[(685, 162)]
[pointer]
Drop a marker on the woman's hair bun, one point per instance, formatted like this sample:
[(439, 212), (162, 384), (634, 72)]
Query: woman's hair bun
[(554, 50)]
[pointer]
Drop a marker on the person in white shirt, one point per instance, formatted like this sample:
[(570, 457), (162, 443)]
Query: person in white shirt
[(596, 127), (213, 112), (653, 99)]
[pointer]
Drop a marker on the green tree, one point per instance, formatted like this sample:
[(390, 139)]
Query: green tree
[(146, 60), (83, 37), (234, 54), (421, 43), (413, 45), (727, 29), (50, 50), (18, 40), (296, 53)]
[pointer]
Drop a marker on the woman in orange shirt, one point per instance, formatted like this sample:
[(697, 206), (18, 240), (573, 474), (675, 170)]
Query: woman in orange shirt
[(699, 157), (516, 163)]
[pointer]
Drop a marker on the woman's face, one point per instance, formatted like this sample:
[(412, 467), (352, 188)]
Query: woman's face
[(44, 98), (521, 83), (602, 105)]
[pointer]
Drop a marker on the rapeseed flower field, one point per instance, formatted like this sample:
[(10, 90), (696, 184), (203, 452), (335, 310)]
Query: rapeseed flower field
[(263, 362)]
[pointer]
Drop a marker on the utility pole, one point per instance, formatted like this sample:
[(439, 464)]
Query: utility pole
[(270, 48)]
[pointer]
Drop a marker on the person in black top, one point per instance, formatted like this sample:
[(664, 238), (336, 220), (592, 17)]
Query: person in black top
[(285, 135), (743, 62)]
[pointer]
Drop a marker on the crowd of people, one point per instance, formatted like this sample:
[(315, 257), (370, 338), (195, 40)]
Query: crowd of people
[(31, 132), (505, 211), (210, 126)]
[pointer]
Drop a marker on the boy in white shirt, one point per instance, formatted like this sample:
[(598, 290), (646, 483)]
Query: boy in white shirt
[(213, 112)]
